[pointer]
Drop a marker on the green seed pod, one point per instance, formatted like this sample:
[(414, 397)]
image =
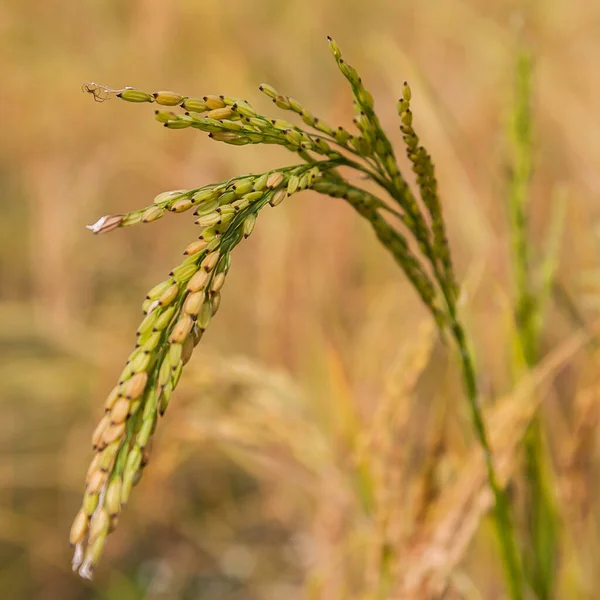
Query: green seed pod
[(207, 207), (295, 105), (240, 204), (78, 528), (141, 362), (243, 110), (168, 98), (249, 223), (406, 92), (349, 72), (210, 235), (165, 397), (308, 118), (132, 95), (145, 432), (214, 244), (224, 136), (147, 323), (258, 123), (148, 305), (188, 348), (126, 487), (179, 123), (282, 102), (261, 182), (206, 195), (181, 205), (227, 213), (134, 406), (335, 49), (341, 135), (183, 272), (158, 289), (164, 319), (215, 303), (278, 197), (152, 214), (362, 145), (195, 336), (390, 163), (151, 341), (227, 197), (321, 146), (407, 117), (90, 501), (324, 127), (177, 371), (380, 147), (304, 182), (107, 456), (293, 137), (112, 500), (194, 105), (205, 124), (204, 316), (175, 353), (252, 196), (134, 460), (268, 90), (243, 186), (282, 125), (164, 116), (98, 526), (132, 218), (292, 186), (213, 102), (150, 404), (164, 374), (167, 197), (365, 98), (208, 220), (314, 173), (134, 355)]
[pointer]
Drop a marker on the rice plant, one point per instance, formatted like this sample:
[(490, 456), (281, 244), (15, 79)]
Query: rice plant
[(408, 223)]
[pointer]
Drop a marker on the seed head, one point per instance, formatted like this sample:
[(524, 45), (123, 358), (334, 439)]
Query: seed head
[(168, 98)]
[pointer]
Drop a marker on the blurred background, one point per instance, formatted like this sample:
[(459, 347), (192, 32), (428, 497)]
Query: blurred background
[(320, 420)]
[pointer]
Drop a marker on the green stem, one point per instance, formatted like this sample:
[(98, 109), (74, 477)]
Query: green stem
[(502, 514), (504, 525)]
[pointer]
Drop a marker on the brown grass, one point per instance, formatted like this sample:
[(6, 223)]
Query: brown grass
[(262, 488)]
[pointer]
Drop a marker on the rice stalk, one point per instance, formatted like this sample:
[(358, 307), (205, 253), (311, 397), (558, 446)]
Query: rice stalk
[(179, 309), (541, 533)]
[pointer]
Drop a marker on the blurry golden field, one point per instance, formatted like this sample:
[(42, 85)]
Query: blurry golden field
[(318, 446)]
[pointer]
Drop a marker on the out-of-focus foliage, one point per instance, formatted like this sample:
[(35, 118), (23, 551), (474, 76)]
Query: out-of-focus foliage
[(261, 488)]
